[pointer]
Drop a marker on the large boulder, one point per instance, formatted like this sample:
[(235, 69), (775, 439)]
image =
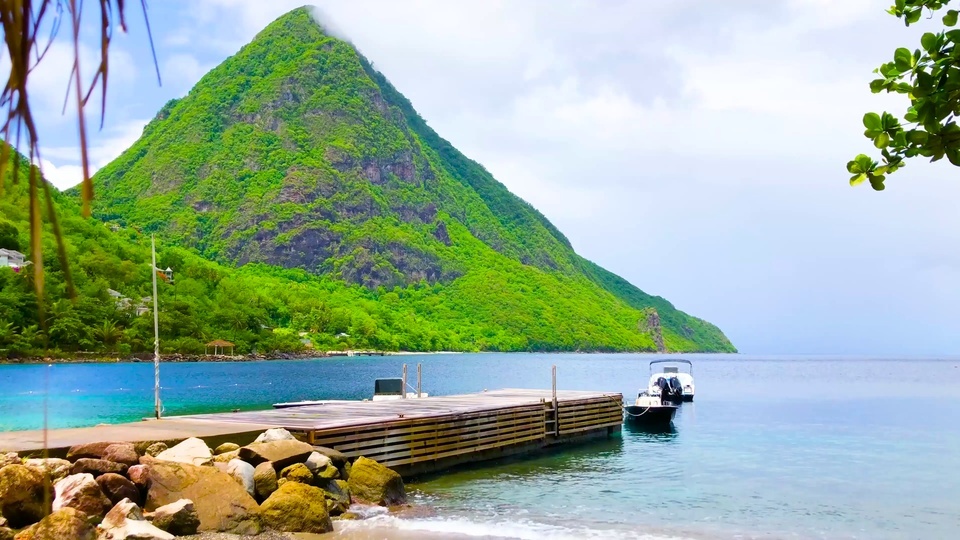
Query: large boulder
[(155, 449), (281, 453), (118, 488), (81, 491), (298, 472), (373, 483), (10, 458), (96, 467), (88, 450), (222, 504), (125, 522), (275, 434), (124, 453), (242, 472), (56, 469), (226, 447), (179, 518), (296, 507), (264, 480), (337, 493), (60, 525), (22, 495), (193, 451)]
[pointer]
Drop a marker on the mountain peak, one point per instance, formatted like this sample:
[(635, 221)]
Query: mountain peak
[(295, 152)]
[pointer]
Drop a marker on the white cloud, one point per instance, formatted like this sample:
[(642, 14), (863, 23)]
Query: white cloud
[(182, 71), (61, 165)]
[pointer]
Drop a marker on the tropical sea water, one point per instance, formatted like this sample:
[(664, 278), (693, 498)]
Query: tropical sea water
[(773, 447)]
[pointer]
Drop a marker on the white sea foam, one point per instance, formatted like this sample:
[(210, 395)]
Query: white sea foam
[(462, 528)]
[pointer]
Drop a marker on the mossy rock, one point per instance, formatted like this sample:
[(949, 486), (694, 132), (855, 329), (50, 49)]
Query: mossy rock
[(227, 447), (61, 525), (373, 483), (328, 473), (22, 495), (298, 472), (296, 507)]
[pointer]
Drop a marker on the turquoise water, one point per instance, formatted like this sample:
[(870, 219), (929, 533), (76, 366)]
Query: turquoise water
[(772, 447)]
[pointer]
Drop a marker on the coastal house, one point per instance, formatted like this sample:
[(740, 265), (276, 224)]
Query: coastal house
[(12, 259), (141, 308)]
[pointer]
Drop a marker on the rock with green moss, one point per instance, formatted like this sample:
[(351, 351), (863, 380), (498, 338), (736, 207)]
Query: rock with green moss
[(298, 472), (373, 483), (296, 507), (226, 447), (328, 473), (155, 449), (61, 525), (22, 495)]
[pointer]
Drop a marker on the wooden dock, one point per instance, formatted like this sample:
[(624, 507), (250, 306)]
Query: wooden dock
[(411, 435)]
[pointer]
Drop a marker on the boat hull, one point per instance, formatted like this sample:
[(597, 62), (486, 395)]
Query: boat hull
[(652, 416), (687, 398)]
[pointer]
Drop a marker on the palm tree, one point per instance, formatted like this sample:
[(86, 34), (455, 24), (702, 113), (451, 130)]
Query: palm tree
[(109, 334)]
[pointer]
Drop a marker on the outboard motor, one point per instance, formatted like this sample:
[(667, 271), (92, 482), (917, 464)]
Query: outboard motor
[(671, 390)]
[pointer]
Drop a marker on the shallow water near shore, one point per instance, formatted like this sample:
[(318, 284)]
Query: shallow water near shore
[(772, 447)]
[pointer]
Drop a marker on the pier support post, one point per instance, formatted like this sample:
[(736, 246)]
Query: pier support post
[(556, 409), (419, 373), (403, 393)]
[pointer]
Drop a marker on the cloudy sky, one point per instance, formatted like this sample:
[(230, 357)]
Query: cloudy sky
[(695, 147)]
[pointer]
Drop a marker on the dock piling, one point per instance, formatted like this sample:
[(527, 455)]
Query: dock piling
[(419, 373)]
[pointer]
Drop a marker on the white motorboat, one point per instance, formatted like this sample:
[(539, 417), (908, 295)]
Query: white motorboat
[(671, 377)]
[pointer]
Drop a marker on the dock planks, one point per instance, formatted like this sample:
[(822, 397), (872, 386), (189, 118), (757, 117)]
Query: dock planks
[(410, 434)]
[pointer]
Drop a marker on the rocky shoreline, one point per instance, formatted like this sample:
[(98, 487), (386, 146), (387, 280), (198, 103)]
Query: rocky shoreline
[(97, 358), (149, 491)]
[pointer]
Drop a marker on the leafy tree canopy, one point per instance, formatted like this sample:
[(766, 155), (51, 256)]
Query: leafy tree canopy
[(930, 77)]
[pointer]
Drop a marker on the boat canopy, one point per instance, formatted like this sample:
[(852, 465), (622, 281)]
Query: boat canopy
[(676, 361)]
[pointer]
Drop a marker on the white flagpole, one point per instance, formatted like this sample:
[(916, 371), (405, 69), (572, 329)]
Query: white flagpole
[(156, 333)]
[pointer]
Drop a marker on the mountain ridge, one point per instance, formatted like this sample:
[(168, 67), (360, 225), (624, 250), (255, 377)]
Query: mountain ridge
[(295, 152)]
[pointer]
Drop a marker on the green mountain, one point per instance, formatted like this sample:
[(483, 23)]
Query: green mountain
[(295, 153)]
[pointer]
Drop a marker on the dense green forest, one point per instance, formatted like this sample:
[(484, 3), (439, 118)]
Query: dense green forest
[(296, 193)]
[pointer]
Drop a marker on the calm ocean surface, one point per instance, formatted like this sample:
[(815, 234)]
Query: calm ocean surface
[(773, 447)]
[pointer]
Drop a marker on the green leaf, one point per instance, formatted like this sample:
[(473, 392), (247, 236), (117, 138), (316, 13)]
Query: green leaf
[(917, 137), (929, 42), (913, 16), (950, 19), (882, 140), (872, 122), (900, 139), (858, 179), (903, 59)]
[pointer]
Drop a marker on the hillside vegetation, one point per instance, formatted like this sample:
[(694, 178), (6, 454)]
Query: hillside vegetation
[(294, 189)]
